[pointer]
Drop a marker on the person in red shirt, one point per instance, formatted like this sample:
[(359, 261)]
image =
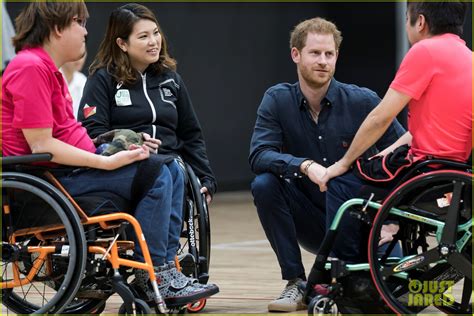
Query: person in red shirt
[(435, 81), (38, 118)]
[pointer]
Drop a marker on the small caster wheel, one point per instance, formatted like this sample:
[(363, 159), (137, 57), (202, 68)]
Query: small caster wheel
[(322, 305), (141, 308), (198, 306)]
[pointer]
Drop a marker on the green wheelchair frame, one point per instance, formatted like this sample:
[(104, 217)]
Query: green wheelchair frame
[(437, 249)]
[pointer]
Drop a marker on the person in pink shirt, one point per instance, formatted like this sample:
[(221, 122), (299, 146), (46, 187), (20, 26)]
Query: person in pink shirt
[(37, 117), (435, 81)]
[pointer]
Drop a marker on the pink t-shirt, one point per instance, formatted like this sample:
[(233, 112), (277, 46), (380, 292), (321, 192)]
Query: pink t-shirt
[(35, 95), (437, 74)]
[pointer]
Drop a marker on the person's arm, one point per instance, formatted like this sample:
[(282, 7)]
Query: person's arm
[(373, 127), (391, 135), (41, 140), (404, 140), (96, 102), (266, 147), (194, 150)]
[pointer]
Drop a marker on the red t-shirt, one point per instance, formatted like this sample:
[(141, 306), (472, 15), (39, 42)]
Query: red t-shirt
[(437, 74), (35, 95)]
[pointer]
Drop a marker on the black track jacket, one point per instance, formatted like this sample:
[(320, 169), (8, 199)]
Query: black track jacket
[(155, 104)]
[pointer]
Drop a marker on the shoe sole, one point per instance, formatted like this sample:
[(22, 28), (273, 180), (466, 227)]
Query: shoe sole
[(277, 307), (184, 300)]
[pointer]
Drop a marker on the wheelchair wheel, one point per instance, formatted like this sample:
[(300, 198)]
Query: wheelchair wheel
[(196, 307), (322, 305), (196, 237), (85, 307), (43, 245), (433, 214), (141, 308)]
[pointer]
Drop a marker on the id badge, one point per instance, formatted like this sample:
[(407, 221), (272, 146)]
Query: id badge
[(122, 98)]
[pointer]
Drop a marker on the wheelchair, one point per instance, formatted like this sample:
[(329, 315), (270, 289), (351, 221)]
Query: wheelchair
[(433, 210), (58, 259)]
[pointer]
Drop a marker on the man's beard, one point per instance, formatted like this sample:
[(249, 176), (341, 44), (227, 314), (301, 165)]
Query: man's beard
[(309, 77)]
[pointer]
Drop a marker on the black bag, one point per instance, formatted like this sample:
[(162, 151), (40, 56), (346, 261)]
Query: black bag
[(379, 169)]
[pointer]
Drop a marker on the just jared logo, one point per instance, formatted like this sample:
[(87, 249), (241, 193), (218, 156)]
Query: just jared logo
[(426, 293)]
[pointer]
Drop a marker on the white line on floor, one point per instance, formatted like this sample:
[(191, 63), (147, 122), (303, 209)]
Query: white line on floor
[(243, 245)]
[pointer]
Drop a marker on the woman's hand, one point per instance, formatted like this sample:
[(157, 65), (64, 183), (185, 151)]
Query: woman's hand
[(152, 143), (205, 191), (125, 157)]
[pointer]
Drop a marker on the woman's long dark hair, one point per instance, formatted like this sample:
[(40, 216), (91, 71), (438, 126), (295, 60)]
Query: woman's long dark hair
[(117, 62)]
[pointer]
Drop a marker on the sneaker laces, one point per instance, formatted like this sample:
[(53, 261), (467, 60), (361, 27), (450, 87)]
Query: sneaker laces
[(291, 290), (181, 277)]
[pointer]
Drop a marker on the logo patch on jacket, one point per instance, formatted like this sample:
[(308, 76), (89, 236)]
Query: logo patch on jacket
[(122, 98), (88, 111), (167, 92)]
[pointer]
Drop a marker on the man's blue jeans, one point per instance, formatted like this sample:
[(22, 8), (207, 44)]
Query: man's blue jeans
[(160, 212)]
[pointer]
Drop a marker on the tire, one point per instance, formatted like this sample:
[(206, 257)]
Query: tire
[(68, 269), (196, 307), (84, 307), (322, 305), (141, 306), (197, 235), (419, 203)]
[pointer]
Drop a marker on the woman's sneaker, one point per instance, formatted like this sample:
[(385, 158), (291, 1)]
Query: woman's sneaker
[(291, 299), (175, 290), (179, 275)]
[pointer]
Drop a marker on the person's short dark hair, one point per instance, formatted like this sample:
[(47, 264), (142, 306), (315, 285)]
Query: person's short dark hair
[(36, 21), (441, 16), (110, 56)]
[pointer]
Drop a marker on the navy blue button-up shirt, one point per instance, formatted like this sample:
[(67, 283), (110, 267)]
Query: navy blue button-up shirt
[(285, 134)]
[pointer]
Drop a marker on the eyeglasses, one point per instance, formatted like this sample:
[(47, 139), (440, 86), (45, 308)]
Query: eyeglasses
[(82, 22)]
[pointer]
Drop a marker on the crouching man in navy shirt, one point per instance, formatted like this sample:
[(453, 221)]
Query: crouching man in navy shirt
[(301, 129)]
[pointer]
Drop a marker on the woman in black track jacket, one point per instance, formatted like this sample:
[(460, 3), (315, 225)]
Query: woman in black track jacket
[(128, 89)]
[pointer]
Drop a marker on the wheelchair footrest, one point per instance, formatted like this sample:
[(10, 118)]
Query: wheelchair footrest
[(188, 264), (203, 278)]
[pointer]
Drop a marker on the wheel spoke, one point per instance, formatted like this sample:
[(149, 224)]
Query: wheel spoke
[(462, 264), (466, 296), (451, 223), (429, 249)]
